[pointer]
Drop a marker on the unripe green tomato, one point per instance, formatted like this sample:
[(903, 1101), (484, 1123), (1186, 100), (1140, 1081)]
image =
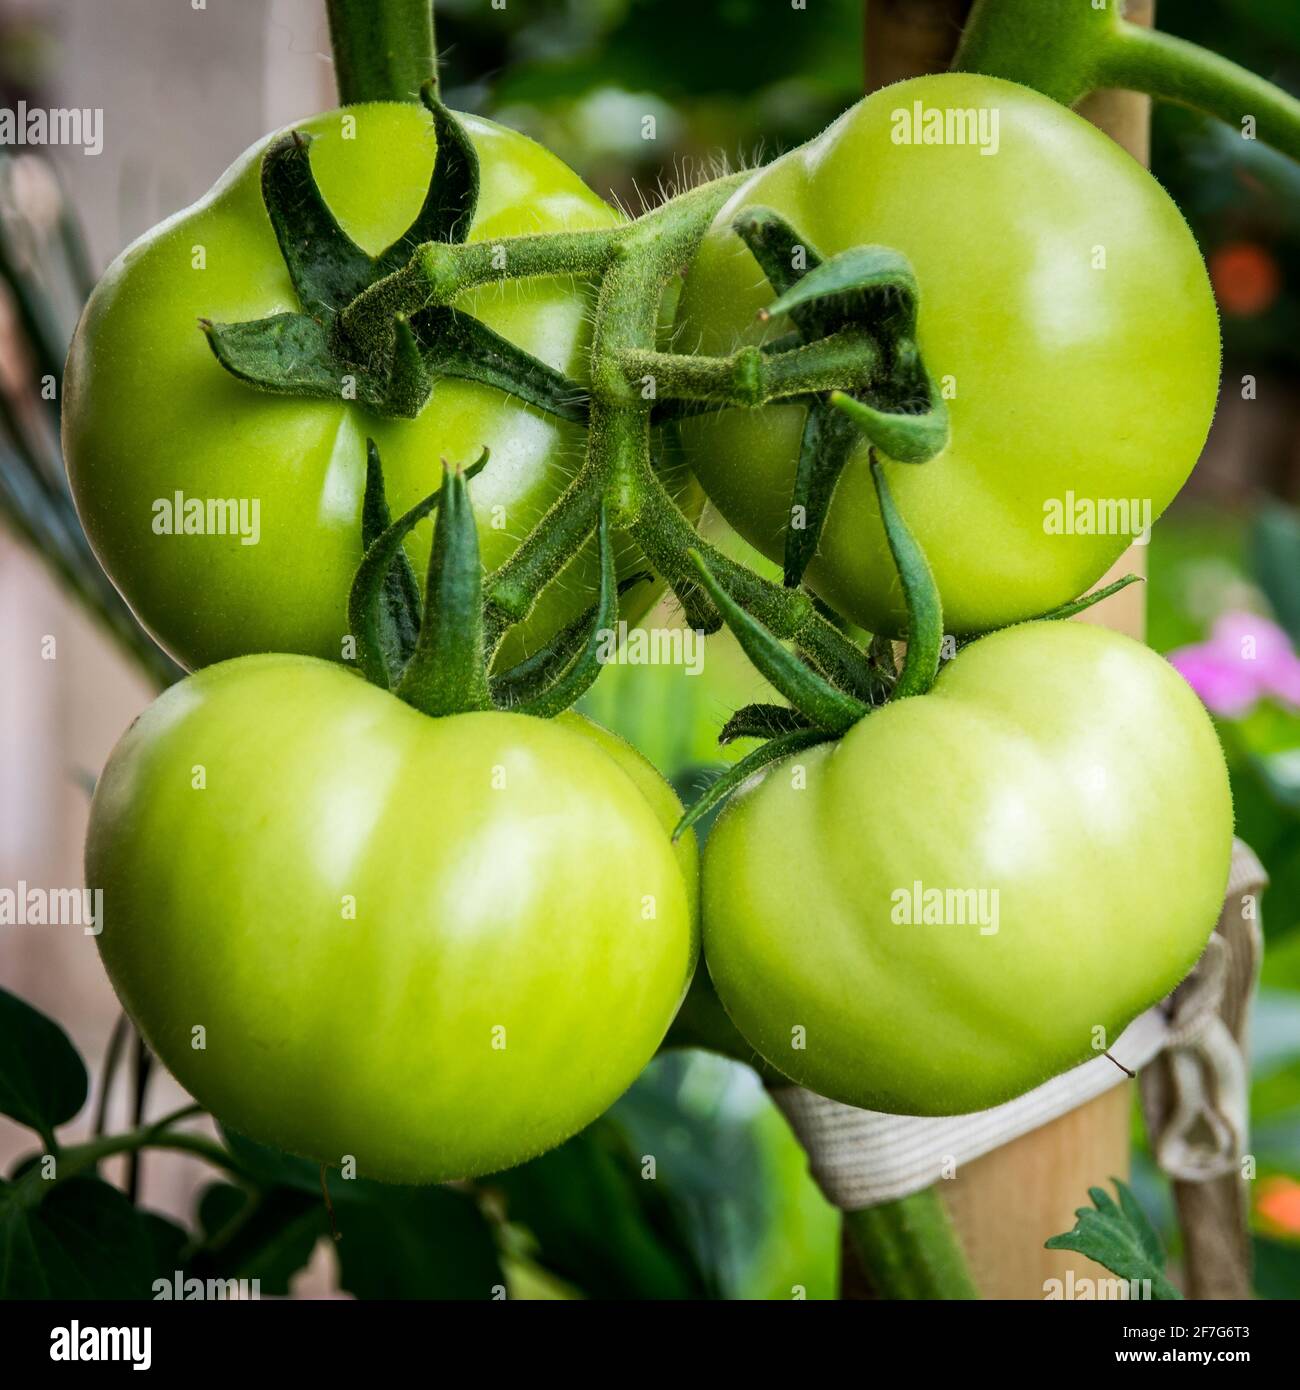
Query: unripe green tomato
[(149, 412), (1064, 312), (1064, 794), (440, 946)]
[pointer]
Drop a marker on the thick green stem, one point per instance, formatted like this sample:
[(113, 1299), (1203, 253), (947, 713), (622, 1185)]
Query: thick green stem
[(1145, 60), (910, 1250), (1068, 48), (845, 361), (790, 614), (82, 1158), (441, 271), (383, 49)]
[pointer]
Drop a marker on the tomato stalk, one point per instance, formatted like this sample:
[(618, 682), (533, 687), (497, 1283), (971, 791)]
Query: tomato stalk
[(383, 49), (910, 1248), (1067, 50), (76, 1159)]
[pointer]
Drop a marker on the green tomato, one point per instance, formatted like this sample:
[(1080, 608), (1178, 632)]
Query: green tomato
[(149, 412), (1064, 312), (440, 946), (1063, 793)]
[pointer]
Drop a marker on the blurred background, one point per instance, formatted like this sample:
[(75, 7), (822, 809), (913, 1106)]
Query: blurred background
[(186, 89)]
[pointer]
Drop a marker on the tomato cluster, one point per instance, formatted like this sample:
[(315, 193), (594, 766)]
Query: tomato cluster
[(439, 945)]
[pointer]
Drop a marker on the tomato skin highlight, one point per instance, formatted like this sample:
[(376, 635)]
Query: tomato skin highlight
[(423, 943), (1064, 766), (1064, 311), (150, 413)]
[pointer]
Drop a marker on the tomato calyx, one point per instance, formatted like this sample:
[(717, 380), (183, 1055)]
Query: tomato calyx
[(871, 289), (388, 356), (818, 711), (433, 652)]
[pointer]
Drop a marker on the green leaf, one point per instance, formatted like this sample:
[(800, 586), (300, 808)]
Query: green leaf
[(600, 1224), (421, 1242), (268, 1235), (1275, 551), (43, 1080), (1120, 1238), (82, 1240)]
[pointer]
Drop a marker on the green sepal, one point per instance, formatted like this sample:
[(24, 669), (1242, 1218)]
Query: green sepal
[(1081, 605), (850, 285), (409, 380), (909, 436), (447, 672), (456, 344), (382, 652), (736, 776), (581, 675), (399, 597), (774, 243), (761, 721), (327, 267), (924, 609), (826, 447), (823, 705), (286, 354), (529, 677), (451, 200)]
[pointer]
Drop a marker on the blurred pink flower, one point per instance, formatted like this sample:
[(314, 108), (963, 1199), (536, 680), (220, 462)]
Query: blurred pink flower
[(1246, 659)]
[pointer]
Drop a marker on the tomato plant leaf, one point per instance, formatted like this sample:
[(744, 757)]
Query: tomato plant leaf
[(600, 1225), (1120, 1238), (83, 1239), (418, 1242), (43, 1081), (1275, 554), (268, 1235)]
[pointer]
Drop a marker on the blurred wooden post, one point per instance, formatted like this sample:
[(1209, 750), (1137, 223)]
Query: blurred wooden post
[(1006, 1204)]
